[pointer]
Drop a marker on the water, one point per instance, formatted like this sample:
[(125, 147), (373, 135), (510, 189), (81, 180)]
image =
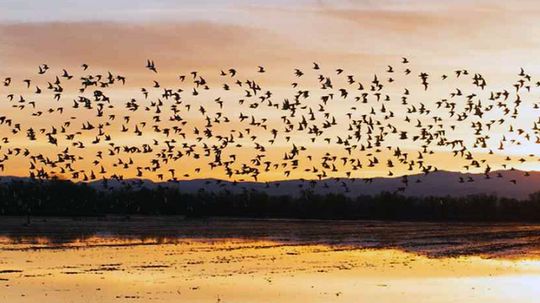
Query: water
[(170, 259), (432, 239)]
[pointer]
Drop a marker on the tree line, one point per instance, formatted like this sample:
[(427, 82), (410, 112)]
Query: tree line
[(65, 198)]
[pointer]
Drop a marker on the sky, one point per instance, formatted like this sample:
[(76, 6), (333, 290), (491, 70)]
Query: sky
[(475, 33), (494, 38)]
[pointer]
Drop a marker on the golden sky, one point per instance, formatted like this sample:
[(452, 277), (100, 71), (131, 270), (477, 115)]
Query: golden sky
[(493, 38)]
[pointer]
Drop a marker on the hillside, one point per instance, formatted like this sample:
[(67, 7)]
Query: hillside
[(442, 183)]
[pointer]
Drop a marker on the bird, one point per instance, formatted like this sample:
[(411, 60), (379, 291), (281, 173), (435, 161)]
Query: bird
[(237, 127), (151, 66)]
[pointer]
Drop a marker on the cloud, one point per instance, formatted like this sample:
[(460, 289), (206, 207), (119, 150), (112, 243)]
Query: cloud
[(127, 46)]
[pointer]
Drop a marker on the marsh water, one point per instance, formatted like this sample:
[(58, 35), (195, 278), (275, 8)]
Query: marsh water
[(173, 259)]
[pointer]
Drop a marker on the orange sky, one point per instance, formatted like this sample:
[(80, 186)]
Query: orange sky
[(494, 38)]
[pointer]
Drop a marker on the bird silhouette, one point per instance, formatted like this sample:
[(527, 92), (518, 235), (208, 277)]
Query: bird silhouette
[(237, 127)]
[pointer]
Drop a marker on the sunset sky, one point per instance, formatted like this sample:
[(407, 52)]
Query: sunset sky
[(493, 38)]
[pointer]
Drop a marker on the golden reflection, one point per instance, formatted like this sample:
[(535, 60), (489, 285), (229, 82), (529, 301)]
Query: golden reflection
[(239, 270)]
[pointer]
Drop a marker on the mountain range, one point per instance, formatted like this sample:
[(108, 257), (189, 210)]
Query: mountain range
[(441, 183)]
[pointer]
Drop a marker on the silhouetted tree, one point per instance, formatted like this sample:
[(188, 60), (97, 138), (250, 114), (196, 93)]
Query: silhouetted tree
[(64, 198)]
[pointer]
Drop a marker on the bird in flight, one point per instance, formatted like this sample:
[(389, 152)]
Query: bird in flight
[(235, 126)]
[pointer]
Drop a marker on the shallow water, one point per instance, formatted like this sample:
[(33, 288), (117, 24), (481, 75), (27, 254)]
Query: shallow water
[(431, 239), (176, 260)]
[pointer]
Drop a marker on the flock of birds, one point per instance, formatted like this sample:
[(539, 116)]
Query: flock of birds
[(336, 126)]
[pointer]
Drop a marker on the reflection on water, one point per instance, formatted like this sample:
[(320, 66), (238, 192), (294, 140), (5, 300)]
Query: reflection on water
[(174, 260), (432, 239)]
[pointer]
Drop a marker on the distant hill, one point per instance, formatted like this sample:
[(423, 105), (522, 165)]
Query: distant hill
[(436, 197), (442, 183)]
